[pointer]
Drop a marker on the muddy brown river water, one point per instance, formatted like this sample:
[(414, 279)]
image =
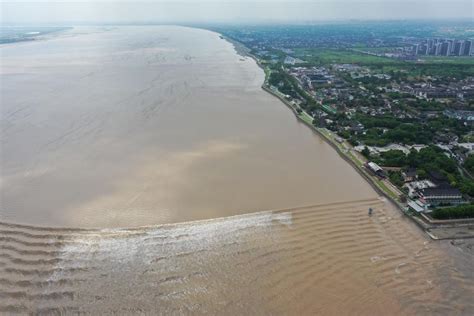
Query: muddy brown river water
[(196, 191)]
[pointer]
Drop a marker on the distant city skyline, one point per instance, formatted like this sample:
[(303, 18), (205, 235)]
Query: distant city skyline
[(228, 11)]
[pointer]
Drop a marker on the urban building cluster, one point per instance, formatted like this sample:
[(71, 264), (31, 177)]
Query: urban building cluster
[(444, 47)]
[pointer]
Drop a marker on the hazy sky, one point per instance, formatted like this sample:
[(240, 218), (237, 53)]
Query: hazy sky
[(244, 11)]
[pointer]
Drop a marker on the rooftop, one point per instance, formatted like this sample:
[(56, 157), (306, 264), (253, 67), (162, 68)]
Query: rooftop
[(444, 191)]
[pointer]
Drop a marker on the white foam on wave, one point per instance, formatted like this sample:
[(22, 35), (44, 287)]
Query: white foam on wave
[(127, 247)]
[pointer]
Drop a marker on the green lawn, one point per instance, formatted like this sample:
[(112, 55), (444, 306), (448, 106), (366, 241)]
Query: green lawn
[(305, 117), (461, 60), (459, 67), (387, 190), (340, 56), (267, 72)]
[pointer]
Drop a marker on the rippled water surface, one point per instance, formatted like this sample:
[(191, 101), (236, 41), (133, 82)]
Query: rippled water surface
[(167, 127), (328, 259)]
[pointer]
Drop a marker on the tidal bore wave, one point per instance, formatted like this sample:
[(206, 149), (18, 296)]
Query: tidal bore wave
[(324, 259)]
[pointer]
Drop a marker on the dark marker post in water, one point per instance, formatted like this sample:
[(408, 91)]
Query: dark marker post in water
[(370, 211)]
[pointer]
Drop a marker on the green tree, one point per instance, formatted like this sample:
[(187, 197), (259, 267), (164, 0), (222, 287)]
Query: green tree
[(461, 211), (469, 164), (396, 178), (366, 152)]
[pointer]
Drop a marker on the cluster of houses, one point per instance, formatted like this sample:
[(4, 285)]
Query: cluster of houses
[(460, 115), (462, 89), (424, 194), (431, 192), (327, 86), (356, 71), (312, 76), (289, 60)]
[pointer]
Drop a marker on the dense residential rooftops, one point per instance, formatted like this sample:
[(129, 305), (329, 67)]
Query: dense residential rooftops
[(441, 191), (437, 177)]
